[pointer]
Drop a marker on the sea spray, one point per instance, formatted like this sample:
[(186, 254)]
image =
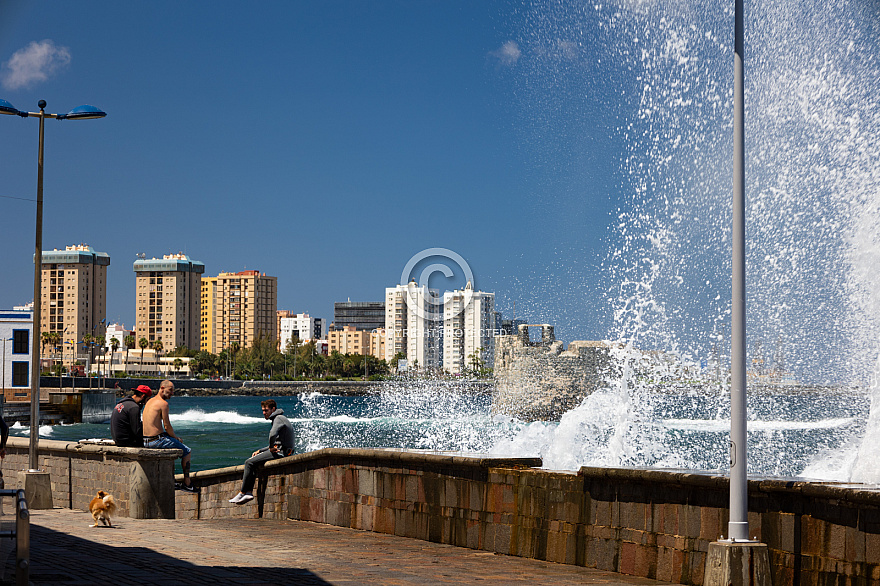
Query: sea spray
[(813, 170)]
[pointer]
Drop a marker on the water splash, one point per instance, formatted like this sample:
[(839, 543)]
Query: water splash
[(813, 196)]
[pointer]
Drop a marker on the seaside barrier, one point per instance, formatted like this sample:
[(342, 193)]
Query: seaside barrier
[(643, 522), (140, 480)]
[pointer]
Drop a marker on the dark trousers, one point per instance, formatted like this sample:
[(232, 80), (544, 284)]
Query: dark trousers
[(250, 469)]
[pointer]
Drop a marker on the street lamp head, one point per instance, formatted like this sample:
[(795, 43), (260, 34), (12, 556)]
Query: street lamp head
[(7, 108), (85, 112)]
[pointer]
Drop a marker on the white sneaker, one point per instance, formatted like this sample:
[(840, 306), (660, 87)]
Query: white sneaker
[(245, 498), (237, 498)]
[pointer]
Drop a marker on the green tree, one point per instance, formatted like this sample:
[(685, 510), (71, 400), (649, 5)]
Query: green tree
[(114, 346), (143, 344), (157, 347), (178, 364), (129, 342)]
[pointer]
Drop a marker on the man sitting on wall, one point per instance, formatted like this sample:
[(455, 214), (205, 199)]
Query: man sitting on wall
[(280, 444), (158, 433), (125, 420)]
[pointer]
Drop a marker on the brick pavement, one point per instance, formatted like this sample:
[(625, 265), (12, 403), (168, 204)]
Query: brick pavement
[(65, 550)]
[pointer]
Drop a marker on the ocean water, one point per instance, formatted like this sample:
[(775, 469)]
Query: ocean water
[(673, 428)]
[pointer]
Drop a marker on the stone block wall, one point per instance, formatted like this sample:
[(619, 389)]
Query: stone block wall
[(541, 381), (652, 523), (140, 480)]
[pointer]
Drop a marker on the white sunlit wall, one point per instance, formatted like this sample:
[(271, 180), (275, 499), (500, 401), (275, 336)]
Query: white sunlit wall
[(16, 329)]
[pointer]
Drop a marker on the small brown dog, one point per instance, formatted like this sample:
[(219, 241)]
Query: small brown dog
[(101, 507)]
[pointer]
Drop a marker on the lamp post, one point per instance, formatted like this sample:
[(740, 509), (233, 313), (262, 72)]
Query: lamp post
[(739, 560), (738, 526), (79, 113)]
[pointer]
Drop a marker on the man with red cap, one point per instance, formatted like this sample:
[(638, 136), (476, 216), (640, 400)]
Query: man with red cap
[(125, 420)]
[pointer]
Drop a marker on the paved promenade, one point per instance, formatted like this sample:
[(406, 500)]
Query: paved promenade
[(65, 550)]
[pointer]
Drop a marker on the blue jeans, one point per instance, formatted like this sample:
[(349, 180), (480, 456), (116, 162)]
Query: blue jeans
[(165, 441)]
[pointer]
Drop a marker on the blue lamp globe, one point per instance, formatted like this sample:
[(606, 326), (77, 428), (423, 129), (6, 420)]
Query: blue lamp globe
[(7, 108), (85, 112)]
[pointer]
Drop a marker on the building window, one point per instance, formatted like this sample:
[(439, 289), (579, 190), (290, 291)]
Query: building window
[(20, 339), (20, 374)]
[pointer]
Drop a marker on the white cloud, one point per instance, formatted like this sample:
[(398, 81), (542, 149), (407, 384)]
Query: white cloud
[(33, 64), (508, 54)]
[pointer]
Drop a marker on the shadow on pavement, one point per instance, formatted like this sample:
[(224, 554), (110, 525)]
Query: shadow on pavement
[(59, 558)]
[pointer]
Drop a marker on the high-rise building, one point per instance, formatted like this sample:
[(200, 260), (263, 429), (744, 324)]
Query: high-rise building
[(468, 329), (168, 300), (361, 315), (412, 325), (240, 307), (73, 299)]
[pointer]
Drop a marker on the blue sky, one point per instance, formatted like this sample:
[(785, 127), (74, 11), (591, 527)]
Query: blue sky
[(324, 143)]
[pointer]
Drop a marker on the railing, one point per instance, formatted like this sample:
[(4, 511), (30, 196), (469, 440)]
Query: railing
[(21, 534)]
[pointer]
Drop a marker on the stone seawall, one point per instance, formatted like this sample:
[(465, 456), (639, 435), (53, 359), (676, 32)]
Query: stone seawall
[(652, 523), (197, 387), (140, 480)]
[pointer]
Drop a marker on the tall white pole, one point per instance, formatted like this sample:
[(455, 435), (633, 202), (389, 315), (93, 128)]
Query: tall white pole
[(738, 527), (34, 441)]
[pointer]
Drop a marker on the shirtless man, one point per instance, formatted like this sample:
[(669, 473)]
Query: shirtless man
[(158, 433)]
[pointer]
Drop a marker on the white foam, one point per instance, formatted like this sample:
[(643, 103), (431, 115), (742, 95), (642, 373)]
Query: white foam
[(200, 416), (723, 425)]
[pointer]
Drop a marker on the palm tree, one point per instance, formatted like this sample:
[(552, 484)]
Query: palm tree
[(178, 364), (129, 342), (157, 346), (114, 346), (87, 343), (54, 338), (100, 342), (143, 343)]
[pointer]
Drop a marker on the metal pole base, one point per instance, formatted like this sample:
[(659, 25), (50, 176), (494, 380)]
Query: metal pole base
[(737, 563), (37, 489)]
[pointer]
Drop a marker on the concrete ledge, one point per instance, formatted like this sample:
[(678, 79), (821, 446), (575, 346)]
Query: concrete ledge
[(652, 523), (141, 480)]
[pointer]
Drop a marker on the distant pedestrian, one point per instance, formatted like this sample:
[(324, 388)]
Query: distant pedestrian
[(158, 433), (281, 443), (125, 420)]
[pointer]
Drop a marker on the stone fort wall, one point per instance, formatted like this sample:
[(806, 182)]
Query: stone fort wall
[(541, 380)]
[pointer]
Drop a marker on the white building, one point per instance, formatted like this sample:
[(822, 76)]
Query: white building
[(469, 328), (119, 332), (412, 325), (303, 327), (16, 329)]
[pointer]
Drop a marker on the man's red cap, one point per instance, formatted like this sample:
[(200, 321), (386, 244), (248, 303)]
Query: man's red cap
[(144, 389)]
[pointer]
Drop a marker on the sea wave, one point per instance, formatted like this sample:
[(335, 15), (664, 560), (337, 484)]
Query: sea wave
[(722, 425), (25, 430), (200, 416)]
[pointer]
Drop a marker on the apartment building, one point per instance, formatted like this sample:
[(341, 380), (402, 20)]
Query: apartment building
[(412, 325), (350, 340), (119, 332), (362, 315), (469, 328), (168, 300), (239, 308), (73, 294), (301, 325)]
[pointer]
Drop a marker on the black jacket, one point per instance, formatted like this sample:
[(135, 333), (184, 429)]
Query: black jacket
[(125, 424)]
